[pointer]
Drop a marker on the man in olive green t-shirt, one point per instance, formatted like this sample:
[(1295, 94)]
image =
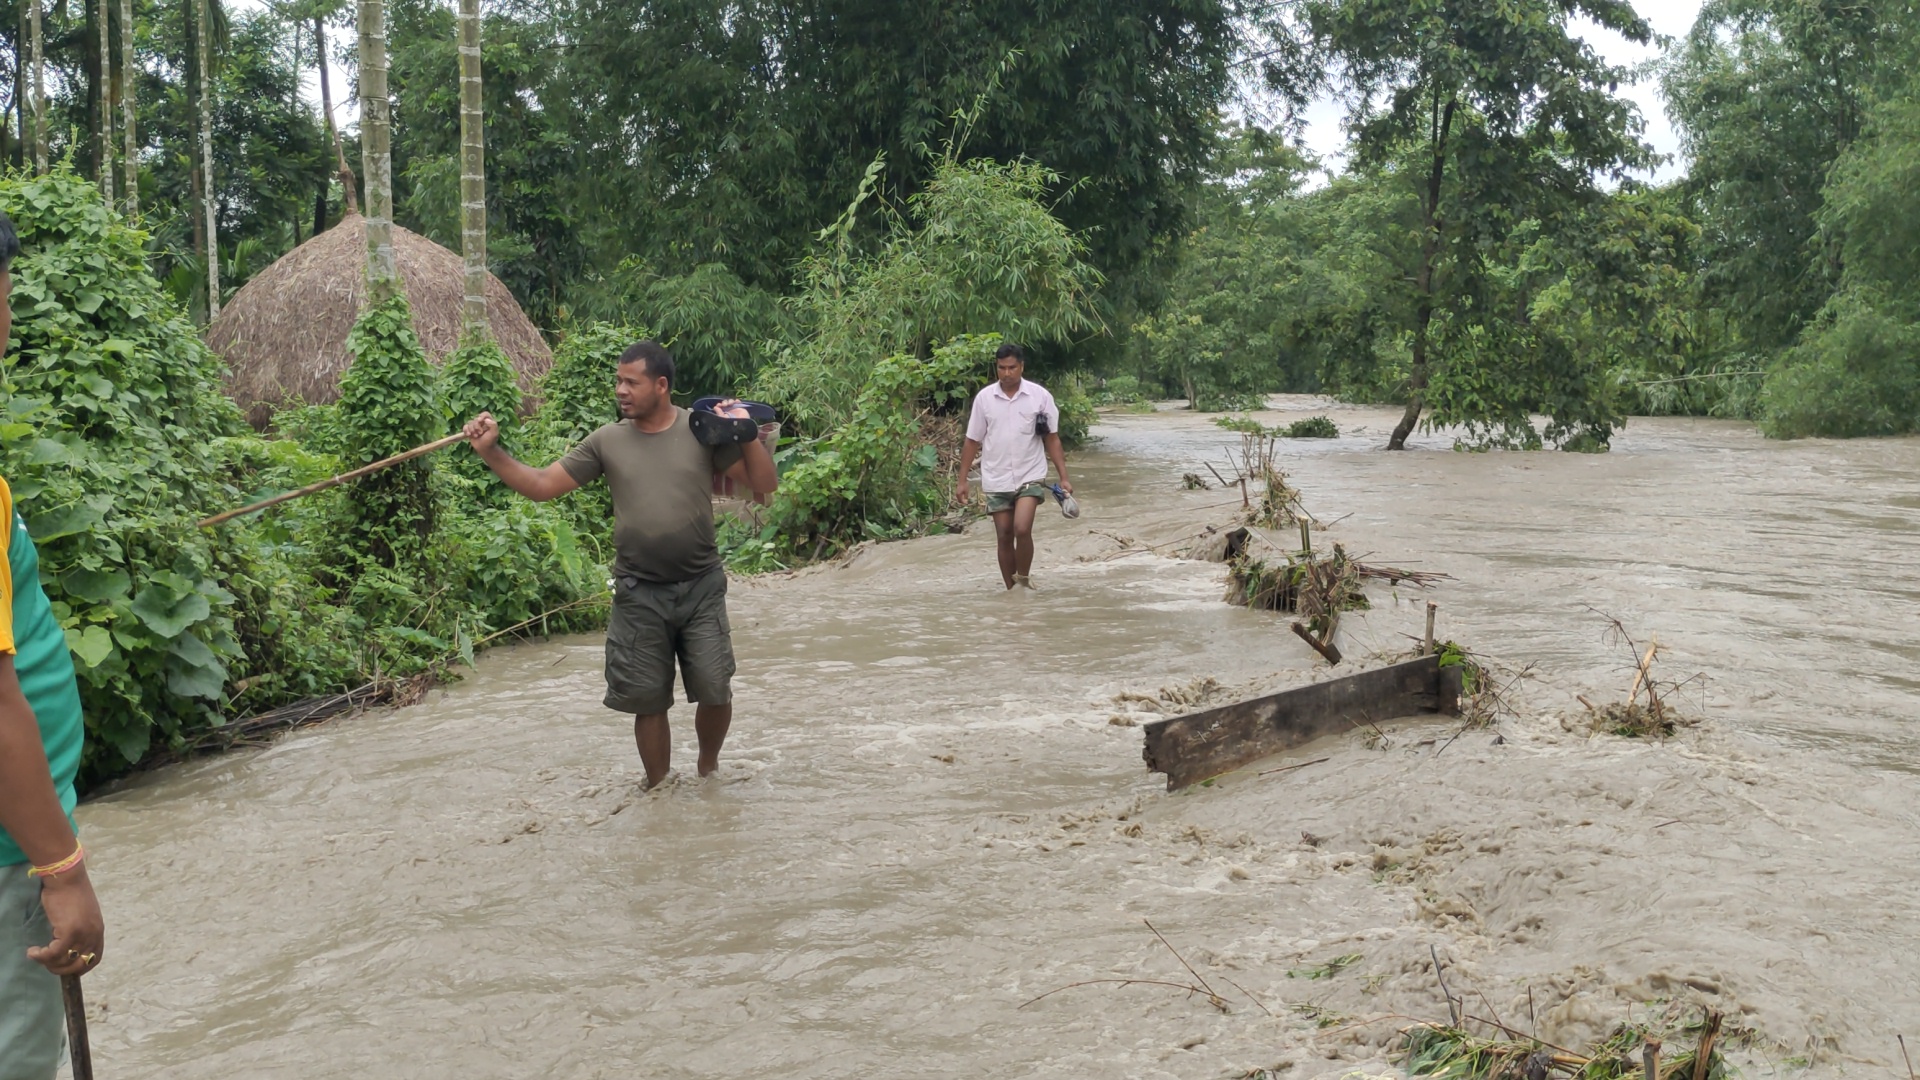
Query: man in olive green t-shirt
[(50, 921), (670, 591)]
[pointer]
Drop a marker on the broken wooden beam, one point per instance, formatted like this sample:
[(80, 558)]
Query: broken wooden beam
[(1202, 745)]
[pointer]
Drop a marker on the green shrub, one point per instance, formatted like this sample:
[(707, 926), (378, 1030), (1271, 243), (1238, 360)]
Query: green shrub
[(872, 477), (1856, 374), (1313, 427), (479, 378), (388, 406), (116, 439), (1077, 413), (1120, 390), (111, 410)]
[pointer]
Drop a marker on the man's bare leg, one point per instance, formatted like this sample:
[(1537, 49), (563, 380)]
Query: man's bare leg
[(1023, 511), (1003, 535), (711, 723), (655, 740)]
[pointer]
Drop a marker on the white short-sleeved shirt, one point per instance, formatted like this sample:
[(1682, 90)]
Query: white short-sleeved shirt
[(1008, 430)]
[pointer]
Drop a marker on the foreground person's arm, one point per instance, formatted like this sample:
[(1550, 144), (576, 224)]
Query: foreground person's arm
[(483, 432), (30, 812)]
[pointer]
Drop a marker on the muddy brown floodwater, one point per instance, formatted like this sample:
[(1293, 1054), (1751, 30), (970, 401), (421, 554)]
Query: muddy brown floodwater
[(933, 809)]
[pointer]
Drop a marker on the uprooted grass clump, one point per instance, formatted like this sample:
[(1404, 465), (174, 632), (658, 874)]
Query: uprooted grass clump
[(1449, 1052)]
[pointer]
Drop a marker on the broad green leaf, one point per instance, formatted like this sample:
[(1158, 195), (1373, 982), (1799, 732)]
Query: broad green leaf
[(201, 681), (167, 613), (62, 521), (97, 586), (91, 646)]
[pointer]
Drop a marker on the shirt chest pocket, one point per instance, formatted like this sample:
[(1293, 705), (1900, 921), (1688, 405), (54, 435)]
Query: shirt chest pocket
[(1029, 420)]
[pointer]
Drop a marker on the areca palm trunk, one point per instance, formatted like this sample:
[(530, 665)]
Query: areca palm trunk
[(473, 179), (103, 88), (207, 202), (376, 151), (39, 46), (129, 80)]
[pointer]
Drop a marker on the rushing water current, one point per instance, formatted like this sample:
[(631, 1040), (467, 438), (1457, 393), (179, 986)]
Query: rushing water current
[(932, 808)]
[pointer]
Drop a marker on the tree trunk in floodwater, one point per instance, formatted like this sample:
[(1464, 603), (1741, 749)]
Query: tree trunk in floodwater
[(129, 87), (1417, 377), (207, 198), (473, 180), (376, 151)]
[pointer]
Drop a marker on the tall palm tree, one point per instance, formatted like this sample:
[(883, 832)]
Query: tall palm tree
[(376, 151), (129, 86), (103, 89), (204, 42), (473, 179), (39, 46)]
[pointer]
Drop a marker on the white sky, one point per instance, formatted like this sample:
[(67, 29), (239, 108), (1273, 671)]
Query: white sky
[(1323, 136)]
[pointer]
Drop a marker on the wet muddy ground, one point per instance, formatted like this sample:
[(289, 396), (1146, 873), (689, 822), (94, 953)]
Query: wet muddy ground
[(932, 809)]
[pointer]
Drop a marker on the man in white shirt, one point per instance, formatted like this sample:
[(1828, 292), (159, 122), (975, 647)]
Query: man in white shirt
[(1014, 430)]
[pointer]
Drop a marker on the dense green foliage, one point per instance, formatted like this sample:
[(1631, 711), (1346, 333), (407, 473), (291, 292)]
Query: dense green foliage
[(632, 145), (116, 439), (477, 377), (873, 476), (388, 406), (1856, 368), (1484, 257), (108, 437), (978, 249)]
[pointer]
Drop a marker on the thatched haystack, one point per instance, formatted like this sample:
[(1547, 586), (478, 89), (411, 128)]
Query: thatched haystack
[(284, 335)]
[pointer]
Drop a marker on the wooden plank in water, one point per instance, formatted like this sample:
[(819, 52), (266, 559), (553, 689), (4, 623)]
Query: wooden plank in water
[(1204, 744)]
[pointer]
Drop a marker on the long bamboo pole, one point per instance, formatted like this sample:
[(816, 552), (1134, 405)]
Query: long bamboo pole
[(438, 444)]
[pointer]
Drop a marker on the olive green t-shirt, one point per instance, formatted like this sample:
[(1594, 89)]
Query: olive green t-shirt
[(662, 485)]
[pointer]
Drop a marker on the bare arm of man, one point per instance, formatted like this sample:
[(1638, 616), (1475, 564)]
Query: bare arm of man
[(483, 432), (969, 450), (1058, 455), (30, 812), (755, 469)]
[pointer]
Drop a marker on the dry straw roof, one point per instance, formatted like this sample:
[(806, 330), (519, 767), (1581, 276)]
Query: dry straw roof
[(284, 335)]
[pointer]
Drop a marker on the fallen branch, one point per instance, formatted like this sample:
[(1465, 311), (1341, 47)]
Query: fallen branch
[(1324, 648)]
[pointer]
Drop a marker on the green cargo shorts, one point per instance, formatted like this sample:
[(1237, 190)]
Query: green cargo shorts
[(999, 502), (33, 1029), (652, 626)]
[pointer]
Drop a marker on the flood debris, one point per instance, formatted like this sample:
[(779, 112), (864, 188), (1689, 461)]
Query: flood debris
[(1450, 1052), (1647, 712), (1201, 745)]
